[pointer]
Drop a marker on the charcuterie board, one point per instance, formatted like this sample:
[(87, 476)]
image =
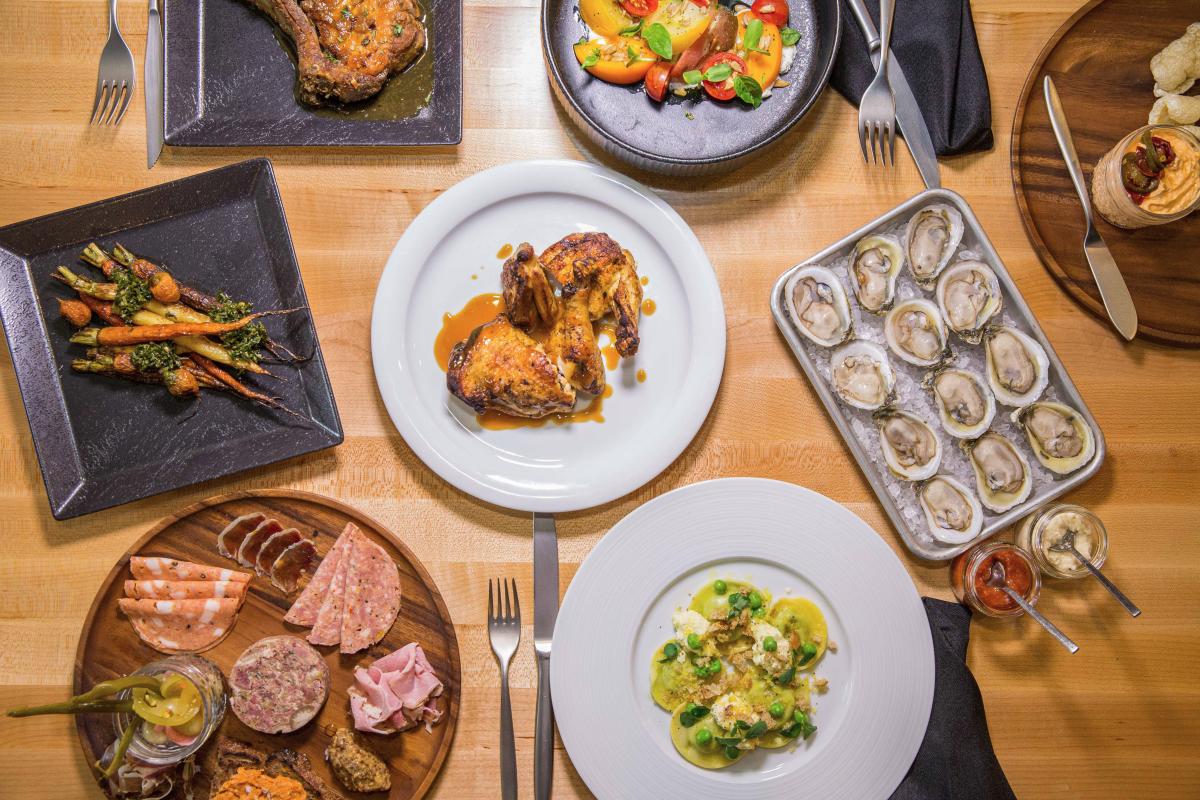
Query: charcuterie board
[(110, 648)]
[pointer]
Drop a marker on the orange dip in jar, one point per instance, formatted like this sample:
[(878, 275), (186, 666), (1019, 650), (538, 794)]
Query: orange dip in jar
[(969, 574)]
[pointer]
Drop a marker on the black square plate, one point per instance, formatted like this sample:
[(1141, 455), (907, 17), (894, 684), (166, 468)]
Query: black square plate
[(230, 80), (102, 442)]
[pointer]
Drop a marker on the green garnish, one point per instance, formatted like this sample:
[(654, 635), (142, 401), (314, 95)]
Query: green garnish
[(786, 676), (776, 710), (658, 39), (593, 58), (693, 641), (691, 78), (670, 651), (633, 56), (228, 310), (630, 30), (809, 650), (719, 585), (718, 72), (154, 357), (132, 294), (727, 741), (397, 30), (742, 726), (346, 12), (753, 36), (692, 714), (690, 116), (243, 344), (789, 36), (703, 736), (756, 730), (748, 90), (800, 726), (756, 600), (732, 752), (769, 644)]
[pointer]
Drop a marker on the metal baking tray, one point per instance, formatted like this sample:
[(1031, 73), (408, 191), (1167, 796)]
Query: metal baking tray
[(912, 528)]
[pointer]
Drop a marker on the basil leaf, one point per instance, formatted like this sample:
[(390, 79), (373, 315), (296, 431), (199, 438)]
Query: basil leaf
[(753, 35), (756, 730), (786, 677), (633, 56), (717, 73), (632, 29), (807, 729), (699, 712), (692, 77), (658, 39), (742, 726), (789, 36), (748, 90), (670, 649), (593, 58), (726, 741), (687, 720)]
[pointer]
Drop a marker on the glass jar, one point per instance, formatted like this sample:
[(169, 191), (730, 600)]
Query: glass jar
[(1040, 531), (969, 572), (1177, 196), (207, 678)]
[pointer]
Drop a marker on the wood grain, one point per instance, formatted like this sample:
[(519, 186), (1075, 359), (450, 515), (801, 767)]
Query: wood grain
[(1123, 715), (1091, 74), (109, 647)]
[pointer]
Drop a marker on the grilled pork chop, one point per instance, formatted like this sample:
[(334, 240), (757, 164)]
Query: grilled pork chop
[(347, 49)]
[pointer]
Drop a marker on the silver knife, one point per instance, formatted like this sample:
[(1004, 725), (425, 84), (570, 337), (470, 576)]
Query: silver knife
[(1113, 291), (545, 612), (908, 113), (154, 86)]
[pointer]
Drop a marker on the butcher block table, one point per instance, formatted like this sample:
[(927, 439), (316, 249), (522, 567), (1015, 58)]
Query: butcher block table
[(1123, 715)]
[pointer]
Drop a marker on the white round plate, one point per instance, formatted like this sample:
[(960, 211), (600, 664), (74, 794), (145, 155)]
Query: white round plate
[(790, 541), (554, 468)]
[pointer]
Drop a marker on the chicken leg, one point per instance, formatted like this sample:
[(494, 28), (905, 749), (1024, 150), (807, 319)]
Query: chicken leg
[(499, 366), (594, 264)]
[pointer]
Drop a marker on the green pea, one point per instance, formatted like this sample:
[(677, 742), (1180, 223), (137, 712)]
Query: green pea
[(693, 641), (691, 708), (799, 716), (776, 709), (703, 736), (756, 600), (670, 650), (770, 645), (732, 752), (720, 587), (714, 666), (759, 612), (809, 649)]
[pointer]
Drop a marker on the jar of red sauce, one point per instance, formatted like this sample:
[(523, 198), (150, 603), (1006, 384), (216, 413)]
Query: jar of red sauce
[(969, 574)]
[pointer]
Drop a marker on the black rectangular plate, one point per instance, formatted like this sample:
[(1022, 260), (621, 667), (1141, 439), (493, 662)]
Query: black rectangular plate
[(103, 441), (228, 82)]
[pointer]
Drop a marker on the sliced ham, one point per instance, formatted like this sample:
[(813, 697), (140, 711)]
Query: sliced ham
[(328, 627), (372, 595), (248, 552), (304, 610), (159, 568), (230, 539), (181, 626), (395, 692), (293, 562), (273, 547), (184, 590)]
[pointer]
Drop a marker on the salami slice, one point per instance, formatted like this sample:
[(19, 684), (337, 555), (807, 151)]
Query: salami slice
[(278, 684), (159, 568), (184, 590), (273, 547), (230, 539), (248, 552), (181, 626), (304, 610), (292, 563), (372, 595), (328, 627)]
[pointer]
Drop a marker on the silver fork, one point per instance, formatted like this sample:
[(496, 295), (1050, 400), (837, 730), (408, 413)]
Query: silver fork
[(504, 631), (115, 80), (877, 109)]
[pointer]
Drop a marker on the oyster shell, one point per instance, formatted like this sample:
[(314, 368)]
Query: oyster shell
[(1017, 366), (910, 447), (1001, 472), (965, 405), (968, 295), (874, 267), (1060, 438), (951, 509), (930, 239), (819, 306), (861, 375), (915, 332)]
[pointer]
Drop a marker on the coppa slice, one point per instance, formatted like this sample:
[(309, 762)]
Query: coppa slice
[(185, 590), (292, 563), (248, 552), (273, 547), (230, 539), (304, 610), (156, 568), (372, 595), (328, 627), (181, 626)]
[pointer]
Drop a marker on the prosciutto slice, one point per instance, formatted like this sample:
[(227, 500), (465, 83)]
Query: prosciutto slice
[(181, 626), (308, 604), (292, 563), (247, 554), (372, 598), (184, 590), (156, 568), (273, 547), (395, 692), (230, 539)]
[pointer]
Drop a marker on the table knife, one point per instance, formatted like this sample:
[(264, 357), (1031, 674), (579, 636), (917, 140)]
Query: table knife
[(545, 612), (908, 113), (154, 86), (1113, 291)]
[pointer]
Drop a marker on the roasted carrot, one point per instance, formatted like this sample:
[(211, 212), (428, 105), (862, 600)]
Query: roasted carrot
[(117, 335), (99, 259), (195, 298), (118, 367), (236, 386), (199, 344), (75, 312), (101, 291), (101, 309)]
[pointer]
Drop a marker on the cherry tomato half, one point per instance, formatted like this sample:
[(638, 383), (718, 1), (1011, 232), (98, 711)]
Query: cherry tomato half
[(722, 90), (639, 8), (772, 11), (657, 79)]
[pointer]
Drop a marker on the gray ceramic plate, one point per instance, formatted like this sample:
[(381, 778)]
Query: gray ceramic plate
[(102, 442), (230, 81), (625, 122)]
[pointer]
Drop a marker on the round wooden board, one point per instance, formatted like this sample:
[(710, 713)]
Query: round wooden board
[(109, 647), (1100, 62)]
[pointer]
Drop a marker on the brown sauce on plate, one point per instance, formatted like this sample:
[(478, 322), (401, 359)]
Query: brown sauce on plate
[(504, 252)]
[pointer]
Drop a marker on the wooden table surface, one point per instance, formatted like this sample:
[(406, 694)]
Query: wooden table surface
[(1123, 715)]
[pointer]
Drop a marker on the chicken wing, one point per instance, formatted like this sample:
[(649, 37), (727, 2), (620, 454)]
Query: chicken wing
[(572, 346), (528, 295), (499, 366), (594, 263)]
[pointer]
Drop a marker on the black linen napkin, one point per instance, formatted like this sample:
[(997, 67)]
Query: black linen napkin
[(934, 42), (956, 759)]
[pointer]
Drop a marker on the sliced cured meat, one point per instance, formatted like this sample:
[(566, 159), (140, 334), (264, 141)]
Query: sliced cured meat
[(184, 590), (304, 610), (292, 563), (181, 626), (248, 552), (395, 692), (272, 547), (372, 595), (230, 539), (160, 568), (278, 684), (328, 627)]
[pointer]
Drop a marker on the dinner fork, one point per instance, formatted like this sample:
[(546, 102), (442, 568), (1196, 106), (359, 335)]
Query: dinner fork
[(877, 109), (115, 80), (504, 631)]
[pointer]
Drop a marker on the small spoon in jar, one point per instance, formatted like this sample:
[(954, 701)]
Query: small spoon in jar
[(1067, 545), (997, 579)]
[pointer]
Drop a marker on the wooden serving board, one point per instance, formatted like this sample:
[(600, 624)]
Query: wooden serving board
[(1100, 62), (109, 647)]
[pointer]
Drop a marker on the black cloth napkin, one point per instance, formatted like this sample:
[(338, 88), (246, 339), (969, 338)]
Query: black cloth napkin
[(956, 759), (934, 42)]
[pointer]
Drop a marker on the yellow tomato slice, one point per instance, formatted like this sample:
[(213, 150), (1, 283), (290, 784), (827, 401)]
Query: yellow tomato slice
[(625, 59), (605, 17), (684, 20), (763, 67)]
